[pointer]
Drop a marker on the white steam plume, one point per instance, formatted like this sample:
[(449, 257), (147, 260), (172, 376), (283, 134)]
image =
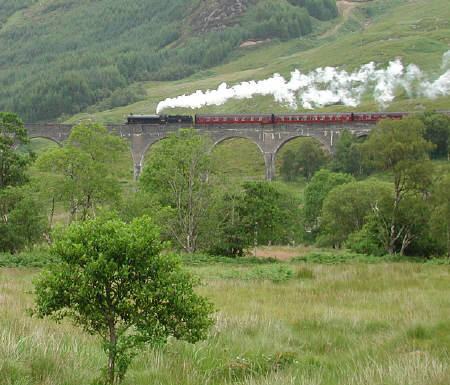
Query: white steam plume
[(325, 86)]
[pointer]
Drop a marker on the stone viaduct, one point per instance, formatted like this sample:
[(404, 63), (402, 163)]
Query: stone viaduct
[(268, 137)]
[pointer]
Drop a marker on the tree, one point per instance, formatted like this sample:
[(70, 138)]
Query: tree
[(412, 215), (179, 173), (309, 158), (262, 214), (437, 131), (114, 282), (440, 218), (22, 221), (347, 156), (85, 168), (12, 163), (316, 192), (398, 146), (346, 208)]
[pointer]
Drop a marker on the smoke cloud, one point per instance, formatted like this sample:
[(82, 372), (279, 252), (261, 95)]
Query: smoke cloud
[(325, 86)]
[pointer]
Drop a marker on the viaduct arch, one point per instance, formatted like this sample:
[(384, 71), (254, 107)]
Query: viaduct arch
[(268, 137)]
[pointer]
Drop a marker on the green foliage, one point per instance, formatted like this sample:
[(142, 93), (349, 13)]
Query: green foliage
[(266, 213), (270, 19), (195, 259), (437, 131), (367, 240), (275, 272), (316, 192), (440, 217), (32, 259), (333, 258), (22, 221), (320, 9), (305, 160), (179, 174), (113, 280), (12, 163), (85, 169), (399, 146), (347, 155), (346, 208), (61, 56)]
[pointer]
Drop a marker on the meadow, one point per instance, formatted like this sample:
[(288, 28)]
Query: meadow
[(277, 322)]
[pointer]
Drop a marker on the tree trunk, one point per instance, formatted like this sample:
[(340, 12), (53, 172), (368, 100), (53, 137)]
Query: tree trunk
[(112, 354)]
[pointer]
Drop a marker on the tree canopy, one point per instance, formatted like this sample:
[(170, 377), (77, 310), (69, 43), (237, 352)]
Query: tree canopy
[(12, 163), (179, 174), (84, 168), (399, 146), (113, 280)]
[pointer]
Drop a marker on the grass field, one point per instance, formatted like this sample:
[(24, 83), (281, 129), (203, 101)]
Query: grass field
[(341, 324)]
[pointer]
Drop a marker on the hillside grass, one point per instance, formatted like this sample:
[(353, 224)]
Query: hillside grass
[(417, 31), (317, 324)]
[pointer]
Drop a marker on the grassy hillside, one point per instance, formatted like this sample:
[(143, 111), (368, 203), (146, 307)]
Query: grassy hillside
[(379, 31)]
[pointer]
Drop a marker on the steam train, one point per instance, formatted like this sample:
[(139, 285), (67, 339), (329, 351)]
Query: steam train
[(225, 119)]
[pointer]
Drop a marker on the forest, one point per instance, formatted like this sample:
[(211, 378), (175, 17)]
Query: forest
[(59, 58)]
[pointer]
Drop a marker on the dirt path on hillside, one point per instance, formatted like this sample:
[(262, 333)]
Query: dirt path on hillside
[(345, 8)]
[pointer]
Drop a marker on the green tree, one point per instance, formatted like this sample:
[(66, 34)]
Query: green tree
[(267, 213), (309, 157), (85, 168), (398, 146), (113, 281), (316, 192), (179, 173), (346, 208), (412, 216), (12, 163), (437, 131), (347, 156), (22, 221), (440, 218)]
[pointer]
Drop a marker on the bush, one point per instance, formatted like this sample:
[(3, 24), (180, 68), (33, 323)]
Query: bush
[(30, 259), (330, 258), (276, 273)]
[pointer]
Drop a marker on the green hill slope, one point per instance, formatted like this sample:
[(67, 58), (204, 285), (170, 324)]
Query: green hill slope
[(61, 56), (417, 32)]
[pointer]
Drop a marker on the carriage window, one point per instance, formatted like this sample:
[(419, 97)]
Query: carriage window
[(235, 118), (260, 118), (216, 119), (208, 118), (322, 117)]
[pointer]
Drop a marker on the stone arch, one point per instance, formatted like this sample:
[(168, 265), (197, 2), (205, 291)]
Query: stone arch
[(139, 151), (230, 137), (47, 137), (255, 148), (323, 141)]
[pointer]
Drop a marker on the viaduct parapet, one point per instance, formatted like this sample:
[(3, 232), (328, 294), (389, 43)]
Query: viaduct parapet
[(268, 137)]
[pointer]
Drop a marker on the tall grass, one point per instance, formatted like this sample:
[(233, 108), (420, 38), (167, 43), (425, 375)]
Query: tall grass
[(342, 324)]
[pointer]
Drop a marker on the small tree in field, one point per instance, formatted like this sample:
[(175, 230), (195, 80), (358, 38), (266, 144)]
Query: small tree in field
[(114, 282), (399, 147)]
